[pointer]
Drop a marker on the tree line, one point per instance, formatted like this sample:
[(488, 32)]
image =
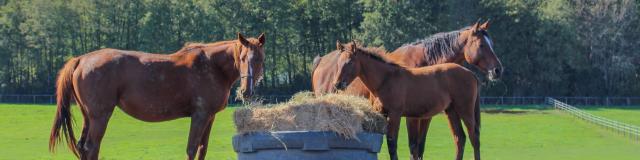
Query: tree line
[(548, 48)]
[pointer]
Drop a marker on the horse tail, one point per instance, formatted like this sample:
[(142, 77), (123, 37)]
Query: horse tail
[(63, 120)]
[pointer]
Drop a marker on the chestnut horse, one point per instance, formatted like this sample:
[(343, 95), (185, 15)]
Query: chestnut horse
[(414, 92), (193, 82), (470, 44)]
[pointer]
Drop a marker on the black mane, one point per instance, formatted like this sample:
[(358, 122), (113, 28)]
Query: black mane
[(440, 46)]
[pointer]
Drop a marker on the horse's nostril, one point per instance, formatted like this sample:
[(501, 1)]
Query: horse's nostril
[(340, 85)]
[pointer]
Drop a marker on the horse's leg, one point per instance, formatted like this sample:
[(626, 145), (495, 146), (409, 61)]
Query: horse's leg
[(424, 127), (457, 131), (416, 129), (474, 133), (413, 130), (98, 120), (198, 122), (204, 143), (392, 135), (83, 136)]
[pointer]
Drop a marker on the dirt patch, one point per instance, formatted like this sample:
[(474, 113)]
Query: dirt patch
[(343, 114)]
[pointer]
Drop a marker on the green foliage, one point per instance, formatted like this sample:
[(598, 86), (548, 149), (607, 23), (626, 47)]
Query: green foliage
[(393, 23), (554, 47)]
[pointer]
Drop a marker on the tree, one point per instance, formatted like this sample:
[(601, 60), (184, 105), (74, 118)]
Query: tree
[(393, 23)]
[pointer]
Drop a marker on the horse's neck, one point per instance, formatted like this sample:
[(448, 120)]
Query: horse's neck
[(222, 58), (459, 50), (374, 73)]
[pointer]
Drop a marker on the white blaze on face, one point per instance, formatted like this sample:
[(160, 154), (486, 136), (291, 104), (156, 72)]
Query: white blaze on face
[(250, 75), (489, 42)]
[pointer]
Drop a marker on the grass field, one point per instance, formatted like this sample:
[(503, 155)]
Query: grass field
[(626, 115), (519, 134)]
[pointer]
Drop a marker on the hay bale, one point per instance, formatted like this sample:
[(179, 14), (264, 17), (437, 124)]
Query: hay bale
[(343, 114)]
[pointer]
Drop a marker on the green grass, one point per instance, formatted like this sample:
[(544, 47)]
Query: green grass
[(625, 115), (535, 134)]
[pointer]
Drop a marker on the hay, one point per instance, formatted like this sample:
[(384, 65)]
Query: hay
[(343, 114)]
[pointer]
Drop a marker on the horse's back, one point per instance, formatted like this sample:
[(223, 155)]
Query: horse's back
[(460, 73), (108, 56), (324, 72), (450, 77), (460, 81), (438, 86), (408, 55), (448, 69)]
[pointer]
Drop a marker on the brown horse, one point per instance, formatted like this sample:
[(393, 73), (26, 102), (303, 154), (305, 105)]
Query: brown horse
[(470, 44), (415, 92), (193, 82)]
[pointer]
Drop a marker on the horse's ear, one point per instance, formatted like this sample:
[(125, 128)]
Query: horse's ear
[(476, 26), (339, 46), (352, 47), (243, 40), (485, 25), (261, 39), (355, 42)]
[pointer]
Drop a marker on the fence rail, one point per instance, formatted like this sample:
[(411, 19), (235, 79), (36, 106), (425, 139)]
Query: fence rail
[(28, 99), (624, 129), (487, 100)]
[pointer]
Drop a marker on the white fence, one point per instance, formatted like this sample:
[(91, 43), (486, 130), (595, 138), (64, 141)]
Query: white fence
[(576, 101), (624, 129)]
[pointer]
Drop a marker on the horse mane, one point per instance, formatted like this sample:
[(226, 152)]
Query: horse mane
[(440, 46), (198, 45), (190, 46), (376, 53)]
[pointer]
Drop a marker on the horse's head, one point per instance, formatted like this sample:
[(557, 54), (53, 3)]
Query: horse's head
[(347, 66), (478, 50), (249, 60)]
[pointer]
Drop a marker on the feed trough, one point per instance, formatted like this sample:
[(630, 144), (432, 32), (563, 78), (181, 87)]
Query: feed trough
[(307, 127), (310, 145)]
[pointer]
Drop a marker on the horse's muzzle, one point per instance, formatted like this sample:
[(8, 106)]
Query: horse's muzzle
[(341, 85), (247, 94), (495, 74)]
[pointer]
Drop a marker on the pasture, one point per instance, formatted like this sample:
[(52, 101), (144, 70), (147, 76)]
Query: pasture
[(515, 132)]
